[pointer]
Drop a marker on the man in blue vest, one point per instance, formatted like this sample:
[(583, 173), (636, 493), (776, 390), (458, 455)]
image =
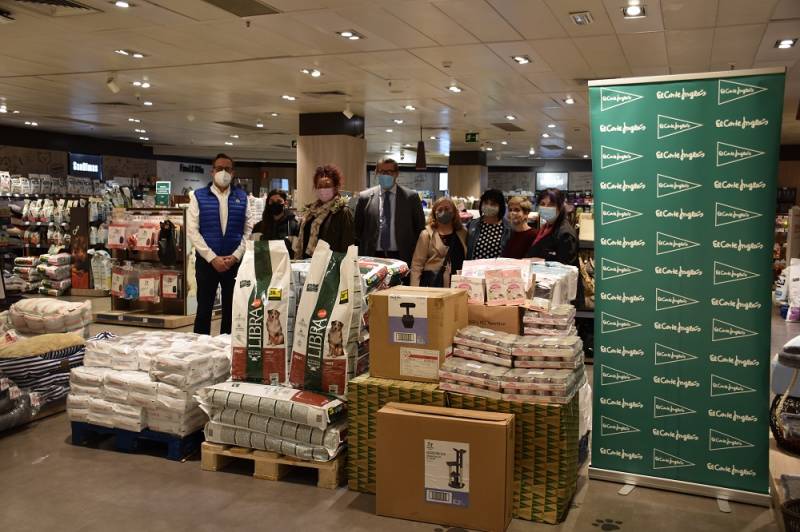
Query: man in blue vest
[(218, 224)]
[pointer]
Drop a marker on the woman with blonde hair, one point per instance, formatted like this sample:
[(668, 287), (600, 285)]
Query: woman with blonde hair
[(522, 235), (441, 247)]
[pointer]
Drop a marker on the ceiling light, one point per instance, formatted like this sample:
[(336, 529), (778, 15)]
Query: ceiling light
[(410, 108), (635, 11), (288, 97), (121, 52), (3, 108), (522, 59), (569, 147), (581, 18), (131, 53), (569, 100), (454, 88), (144, 138), (398, 121), (511, 117), (14, 112), (313, 72), (433, 137), (389, 130), (489, 148), (27, 122), (585, 156), (122, 4), (784, 44), (531, 151), (34, 124), (228, 143), (147, 103), (408, 145), (351, 35), (388, 151), (140, 131), (137, 83), (546, 135), (259, 124), (274, 115), (504, 142), (551, 126), (234, 136), (137, 55), (135, 120)]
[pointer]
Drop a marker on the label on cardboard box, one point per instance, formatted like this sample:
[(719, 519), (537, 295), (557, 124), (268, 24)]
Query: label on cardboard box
[(408, 320), (422, 363), (447, 472)]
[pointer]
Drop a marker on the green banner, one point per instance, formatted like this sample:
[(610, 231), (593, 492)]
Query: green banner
[(684, 198), (163, 191)]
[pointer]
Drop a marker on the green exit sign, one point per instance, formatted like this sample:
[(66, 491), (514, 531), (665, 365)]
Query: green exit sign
[(471, 137)]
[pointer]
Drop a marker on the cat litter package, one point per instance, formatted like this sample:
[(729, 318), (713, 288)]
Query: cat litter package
[(305, 408), (555, 386), (467, 372), (59, 259), (226, 435), (182, 369)]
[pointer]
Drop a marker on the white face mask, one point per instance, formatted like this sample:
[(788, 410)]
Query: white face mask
[(222, 179)]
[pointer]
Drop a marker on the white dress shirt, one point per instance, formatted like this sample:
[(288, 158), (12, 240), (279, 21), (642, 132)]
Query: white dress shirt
[(393, 203), (193, 224)]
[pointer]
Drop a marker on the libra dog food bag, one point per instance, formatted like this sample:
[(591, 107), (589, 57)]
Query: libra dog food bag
[(260, 314), (327, 323)]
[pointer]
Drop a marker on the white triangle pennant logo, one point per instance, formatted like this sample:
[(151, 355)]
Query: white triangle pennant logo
[(668, 355), (610, 213), (669, 126), (664, 408), (730, 91), (610, 376), (722, 331), (611, 98), (666, 300), (612, 427), (664, 460), (731, 153), (721, 386), (667, 186), (725, 273), (670, 244), (725, 214), (612, 156), (719, 441), (611, 324), (610, 269)]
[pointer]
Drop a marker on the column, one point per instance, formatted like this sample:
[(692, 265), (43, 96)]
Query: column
[(330, 138), (467, 173)]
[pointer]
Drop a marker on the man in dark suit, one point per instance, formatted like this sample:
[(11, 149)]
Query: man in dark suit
[(389, 217)]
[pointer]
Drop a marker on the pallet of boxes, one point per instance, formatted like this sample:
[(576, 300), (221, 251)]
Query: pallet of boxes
[(443, 355), (299, 336)]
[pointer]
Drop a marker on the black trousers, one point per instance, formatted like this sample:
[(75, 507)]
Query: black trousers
[(208, 279)]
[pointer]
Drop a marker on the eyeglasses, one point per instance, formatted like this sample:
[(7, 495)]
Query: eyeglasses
[(228, 169)]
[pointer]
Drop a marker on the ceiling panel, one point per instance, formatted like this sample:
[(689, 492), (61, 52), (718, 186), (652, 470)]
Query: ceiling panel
[(733, 12), (552, 82), (507, 50), (689, 50), (786, 29), (688, 14), (652, 22), (479, 18), (380, 22), (604, 55), (531, 18), (736, 45), (431, 21), (562, 8), (644, 50), (564, 57), (786, 9), (464, 60)]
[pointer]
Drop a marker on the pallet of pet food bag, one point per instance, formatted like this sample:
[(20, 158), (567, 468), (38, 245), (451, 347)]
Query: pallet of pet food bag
[(328, 323), (260, 314)]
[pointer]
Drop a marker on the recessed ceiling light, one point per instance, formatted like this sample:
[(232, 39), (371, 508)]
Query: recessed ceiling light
[(489, 148), (407, 145), (784, 44), (144, 138), (351, 35), (585, 156), (454, 88), (634, 11), (146, 85), (313, 72), (289, 97), (433, 137), (504, 142), (140, 131), (581, 18), (569, 147), (274, 115), (3, 108), (135, 120), (522, 59), (259, 124), (14, 112), (137, 83), (121, 52), (531, 151), (234, 136), (398, 121), (389, 130), (137, 55), (122, 4), (511, 117), (410, 108), (147, 103), (546, 135), (551, 126), (228, 143), (388, 151), (569, 100)]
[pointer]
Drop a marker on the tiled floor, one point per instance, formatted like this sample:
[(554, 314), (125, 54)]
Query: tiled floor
[(47, 484)]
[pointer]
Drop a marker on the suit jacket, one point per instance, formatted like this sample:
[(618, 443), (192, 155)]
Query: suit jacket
[(409, 221)]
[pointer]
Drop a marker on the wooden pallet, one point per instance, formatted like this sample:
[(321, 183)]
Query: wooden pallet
[(272, 466), (89, 292), (177, 448), (138, 318)]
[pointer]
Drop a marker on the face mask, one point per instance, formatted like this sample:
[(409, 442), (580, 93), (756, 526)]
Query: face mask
[(490, 210), (325, 194), (444, 217), (275, 209), (548, 214), (386, 181), (222, 179)]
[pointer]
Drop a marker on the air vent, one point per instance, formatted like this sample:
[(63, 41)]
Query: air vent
[(244, 8), (112, 104), (77, 121), (581, 18), (507, 126), (57, 8), (322, 94)]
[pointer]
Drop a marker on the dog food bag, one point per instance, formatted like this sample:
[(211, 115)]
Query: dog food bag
[(326, 333), (261, 313), (218, 433), (304, 408)]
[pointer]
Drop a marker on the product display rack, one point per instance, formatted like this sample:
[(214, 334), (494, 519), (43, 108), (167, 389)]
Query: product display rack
[(167, 313)]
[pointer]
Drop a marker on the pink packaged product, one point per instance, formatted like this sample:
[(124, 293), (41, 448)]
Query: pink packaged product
[(490, 357), (147, 236), (475, 287), (541, 386), (150, 285), (549, 362), (116, 236), (555, 315), (558, 346), (514, 287), (549, 330), (471, 373), (495, 288)]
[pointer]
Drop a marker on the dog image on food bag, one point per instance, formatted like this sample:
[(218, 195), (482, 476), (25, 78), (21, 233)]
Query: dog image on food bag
[(260, 311), (326, 333)]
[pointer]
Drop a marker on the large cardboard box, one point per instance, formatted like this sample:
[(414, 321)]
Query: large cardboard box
[(445, 465), (411, 331), (498, 318)]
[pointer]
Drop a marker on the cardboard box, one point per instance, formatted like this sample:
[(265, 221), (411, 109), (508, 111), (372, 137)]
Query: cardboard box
[(506, 319), (411, 331), (446, 466)]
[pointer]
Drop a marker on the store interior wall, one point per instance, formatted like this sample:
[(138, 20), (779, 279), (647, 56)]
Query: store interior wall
[(19, 160), (138, 169), (789, 174)]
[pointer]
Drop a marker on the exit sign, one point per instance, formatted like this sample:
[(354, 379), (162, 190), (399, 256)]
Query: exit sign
[(471, 137)]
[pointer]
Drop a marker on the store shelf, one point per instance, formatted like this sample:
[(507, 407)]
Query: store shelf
[(38, 224), (50, 195)]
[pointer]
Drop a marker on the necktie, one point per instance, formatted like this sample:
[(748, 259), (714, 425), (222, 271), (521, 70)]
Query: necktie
[(386, 222)]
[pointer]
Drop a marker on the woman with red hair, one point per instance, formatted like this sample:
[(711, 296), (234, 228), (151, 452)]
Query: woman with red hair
[(329, 218)]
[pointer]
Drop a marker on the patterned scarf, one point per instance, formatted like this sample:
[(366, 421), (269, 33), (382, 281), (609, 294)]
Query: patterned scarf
[(316, 212)]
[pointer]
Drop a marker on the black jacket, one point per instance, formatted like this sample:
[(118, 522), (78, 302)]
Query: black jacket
[(409, 221), (282, 229), (561, 245)]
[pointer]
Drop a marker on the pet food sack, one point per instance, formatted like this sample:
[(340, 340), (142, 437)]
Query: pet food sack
[(326, 327), (260, 313)]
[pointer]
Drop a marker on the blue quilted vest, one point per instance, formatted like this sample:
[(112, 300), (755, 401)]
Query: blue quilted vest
[(210, 227)]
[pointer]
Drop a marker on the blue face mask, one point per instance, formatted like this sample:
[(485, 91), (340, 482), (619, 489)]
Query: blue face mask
[(386, 181), (548, 214)]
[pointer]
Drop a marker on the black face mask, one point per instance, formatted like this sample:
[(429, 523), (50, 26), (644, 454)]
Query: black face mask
[(275, 209)]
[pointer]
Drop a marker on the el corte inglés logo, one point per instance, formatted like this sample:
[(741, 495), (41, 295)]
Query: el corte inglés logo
[(666, 243), (610, 269), (623, 128), (610, 213), (669, 355), (730, 91), (669, 126), (725, 214), (725, 273), (667, 186), (664, 408), (611, 98), (721, 386), (666, 300), (680, 94), (731, 153), (741, 123), (719, 441), (664, 460), (612, 427), (722, 331), (610, 376), (613, 156)]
